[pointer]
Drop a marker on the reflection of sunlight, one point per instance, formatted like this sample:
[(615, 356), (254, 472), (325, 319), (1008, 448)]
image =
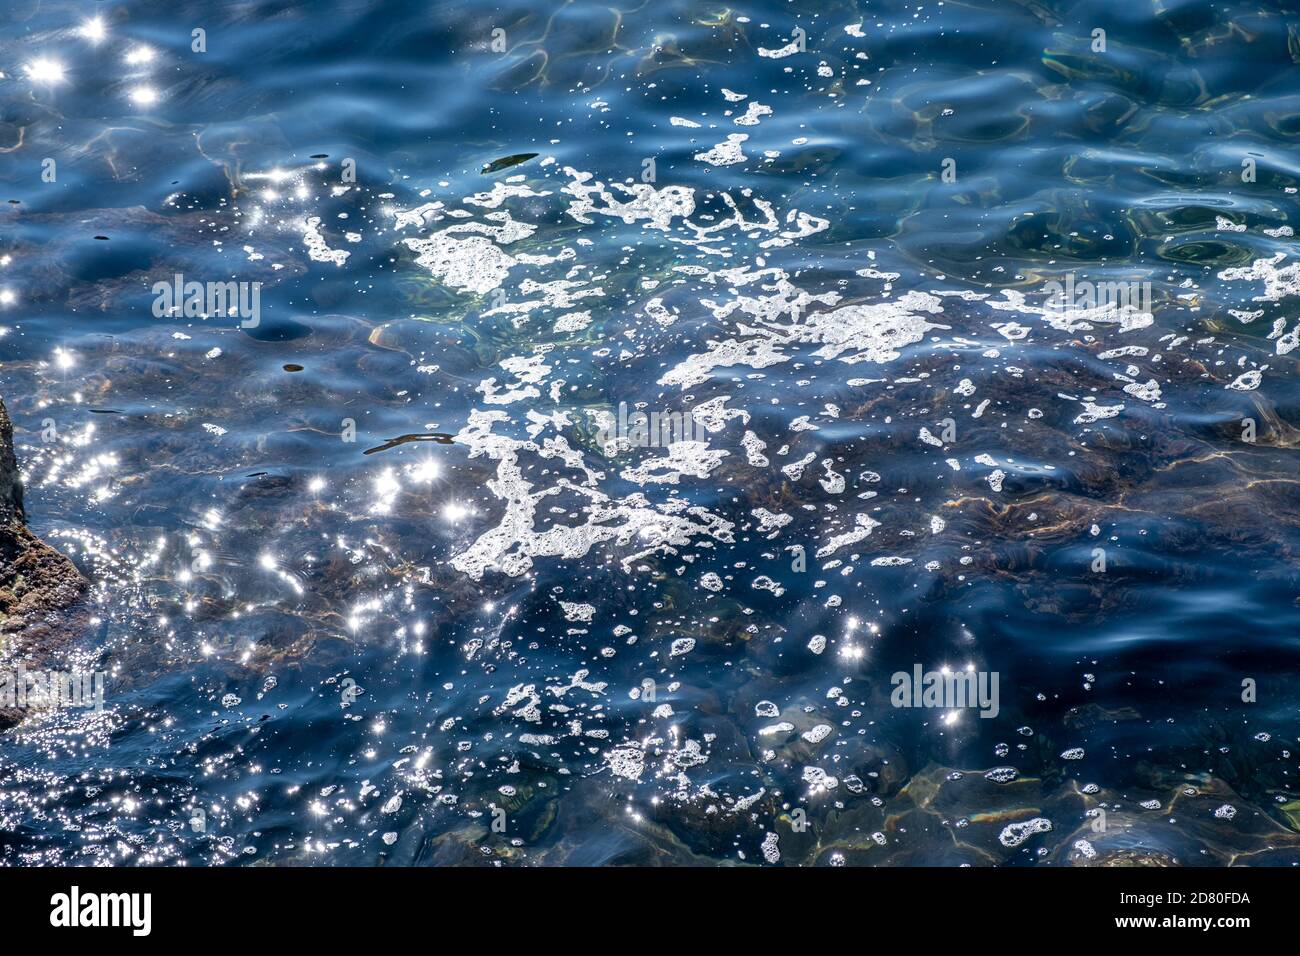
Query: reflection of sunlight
[(93, 29), (84, 439), (140, 54), (361, 608), (275, 175), (268, 562), (45, 70), (424, 471), (144, 96), (386, 487), (92, 471), (281, 184)]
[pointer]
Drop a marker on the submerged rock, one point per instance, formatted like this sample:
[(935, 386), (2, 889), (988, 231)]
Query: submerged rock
[(38, 585)]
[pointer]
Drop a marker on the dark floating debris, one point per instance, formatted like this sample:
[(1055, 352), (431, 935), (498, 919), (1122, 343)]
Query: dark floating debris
[(291, 367), (442, 438), (505, 162), (320, 155), (102, 238), (106, 411)]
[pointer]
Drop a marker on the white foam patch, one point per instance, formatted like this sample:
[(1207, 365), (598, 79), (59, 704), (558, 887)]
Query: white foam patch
[(499, 193), (573, 322), (632, 522), (1017, 833), (1246, 381), (685, 458), (658, 207), (852, 334), (726, 153), (317, 248), (528, 372), (1128, 317), (475, 264), (1278, 283), (863, 525), (754, 112)]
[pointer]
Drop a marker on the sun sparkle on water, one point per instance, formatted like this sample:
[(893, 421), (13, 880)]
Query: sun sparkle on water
[(45, 70), (93, 29), (144, 96), (140, 54)]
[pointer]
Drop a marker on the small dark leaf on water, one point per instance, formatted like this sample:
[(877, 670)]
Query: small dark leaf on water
[(293, 368), (442, 438), (505, 162), (320, 155)]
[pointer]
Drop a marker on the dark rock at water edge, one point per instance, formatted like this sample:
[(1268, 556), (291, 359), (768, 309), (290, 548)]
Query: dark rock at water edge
[(39, 587)]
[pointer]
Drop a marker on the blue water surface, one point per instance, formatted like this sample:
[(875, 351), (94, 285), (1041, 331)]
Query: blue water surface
[(829, 232)]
